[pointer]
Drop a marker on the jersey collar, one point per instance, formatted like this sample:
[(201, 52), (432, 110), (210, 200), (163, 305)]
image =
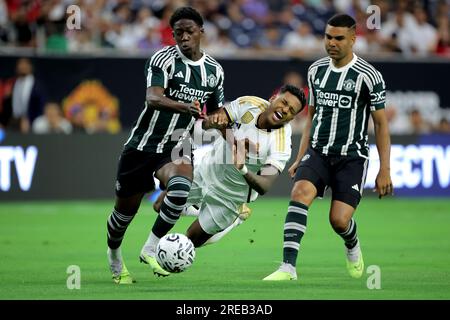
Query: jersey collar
[(189, 61), (344, 68)]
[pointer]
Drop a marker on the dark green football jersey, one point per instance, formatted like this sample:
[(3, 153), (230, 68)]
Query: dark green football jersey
[(343, 98), (183, 80)]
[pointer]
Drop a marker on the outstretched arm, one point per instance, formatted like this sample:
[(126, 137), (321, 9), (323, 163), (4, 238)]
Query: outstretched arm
[(156, 99), (383, 183), (216, 120), (261, 183)]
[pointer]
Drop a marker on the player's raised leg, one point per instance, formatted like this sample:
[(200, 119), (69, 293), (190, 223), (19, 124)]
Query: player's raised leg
[(345, 226), (244, 212), (197, 235), (215, 220), (177, 178), (302, 196)]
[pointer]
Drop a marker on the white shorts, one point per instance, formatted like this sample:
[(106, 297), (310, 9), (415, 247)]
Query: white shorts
[(216, 212)]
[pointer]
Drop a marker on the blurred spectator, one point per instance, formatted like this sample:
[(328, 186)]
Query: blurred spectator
[(397, 33), (222, 46), (23, 31), (122, 35), (151, 41), (3, 22), (399, 122), (25, 101), (369, 43), (418, 125), (165, 29), (443, 126), (241, 27), (77, 120), (302, 41), (257, 10), (443, 31), (294, 78), (56, 40), (425, 35), (145, 20), (287, 21), (52, 121), (269, 39), (250, 24), (81, 41)]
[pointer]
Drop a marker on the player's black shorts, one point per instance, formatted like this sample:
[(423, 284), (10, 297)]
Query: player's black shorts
[(345, 175), (136, 169)]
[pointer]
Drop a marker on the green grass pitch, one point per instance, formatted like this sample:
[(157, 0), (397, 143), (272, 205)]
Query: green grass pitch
[(409, 240)]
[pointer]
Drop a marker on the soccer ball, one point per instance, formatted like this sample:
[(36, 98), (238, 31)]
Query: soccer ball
[(175, 252)]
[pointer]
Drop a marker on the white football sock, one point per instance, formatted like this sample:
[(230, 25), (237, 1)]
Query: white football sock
[(190, 211), (115, 260), (150, 245), (115, 254), (287, 267), (353, 253)]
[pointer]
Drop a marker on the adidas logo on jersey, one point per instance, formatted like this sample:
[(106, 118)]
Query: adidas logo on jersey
[(179, 74), (317, 81), (355, 187)]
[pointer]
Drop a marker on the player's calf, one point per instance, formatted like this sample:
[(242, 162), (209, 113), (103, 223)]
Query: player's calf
[(173, 203), (157, 204), (196, 234)]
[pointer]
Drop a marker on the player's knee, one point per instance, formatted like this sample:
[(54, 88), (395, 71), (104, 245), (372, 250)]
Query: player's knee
[(128, 207), (178, 188), (302, 193), (339, 223)]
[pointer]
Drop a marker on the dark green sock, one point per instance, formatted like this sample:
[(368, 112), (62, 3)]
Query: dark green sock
[(294, 228)]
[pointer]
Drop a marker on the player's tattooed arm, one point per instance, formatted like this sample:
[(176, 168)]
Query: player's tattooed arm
[(156, 99), (260, 182)]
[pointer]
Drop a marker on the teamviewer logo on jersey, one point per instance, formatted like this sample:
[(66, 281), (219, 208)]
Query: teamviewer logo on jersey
[(345, 101)]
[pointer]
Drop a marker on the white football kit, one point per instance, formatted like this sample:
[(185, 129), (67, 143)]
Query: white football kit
[(218, 188)]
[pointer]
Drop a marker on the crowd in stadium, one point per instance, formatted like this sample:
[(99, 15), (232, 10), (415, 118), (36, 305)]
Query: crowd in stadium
[(232, 28), (41, 116)]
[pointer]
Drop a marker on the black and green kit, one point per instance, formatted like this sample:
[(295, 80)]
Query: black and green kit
[(183, 80), (343, 98)]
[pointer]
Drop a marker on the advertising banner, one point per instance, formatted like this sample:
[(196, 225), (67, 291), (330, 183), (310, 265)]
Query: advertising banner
[(80, 166)]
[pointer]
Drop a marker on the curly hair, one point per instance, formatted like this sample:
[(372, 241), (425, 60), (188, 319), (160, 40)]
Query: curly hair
[(186, 13)]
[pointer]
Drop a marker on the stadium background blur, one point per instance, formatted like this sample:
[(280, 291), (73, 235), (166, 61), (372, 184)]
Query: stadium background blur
[(89, 87)]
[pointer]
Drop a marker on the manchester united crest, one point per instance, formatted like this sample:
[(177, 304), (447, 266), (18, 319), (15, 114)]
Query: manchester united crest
[(349, 85), (212, 80)]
